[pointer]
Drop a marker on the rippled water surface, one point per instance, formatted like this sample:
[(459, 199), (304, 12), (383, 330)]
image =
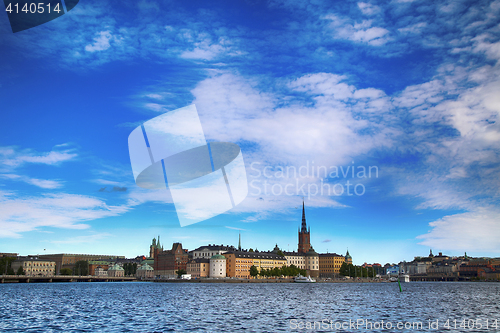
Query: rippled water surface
[(224, 307)]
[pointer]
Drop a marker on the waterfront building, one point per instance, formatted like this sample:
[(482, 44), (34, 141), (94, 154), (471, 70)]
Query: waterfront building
[(304, 234), (479, 267), (198, 267), (99, 271), (116, 271), (167, 263), (329, 264), (238, 263), (145, 272), (210, 250), (296, 259), (33, 266), (93, 264), (392, 270), (312, 263), (218, 266), (415, 267), (64, 260)]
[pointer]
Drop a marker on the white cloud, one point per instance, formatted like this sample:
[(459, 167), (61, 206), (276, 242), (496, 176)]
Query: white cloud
[(358, 32), (204, 49), (42, 183), (106, 182), (10, 157), (368, 8), (101, 42), (233, 109), (413, 29), (477, 230), (22, 214)]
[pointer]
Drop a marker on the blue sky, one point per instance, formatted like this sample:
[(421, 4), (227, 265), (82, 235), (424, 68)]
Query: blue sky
[(407, 87)]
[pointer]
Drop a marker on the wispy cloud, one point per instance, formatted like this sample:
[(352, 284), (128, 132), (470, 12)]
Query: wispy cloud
[(363, 32), (12, 157), (42, 183), (63, 210), (233, 228)]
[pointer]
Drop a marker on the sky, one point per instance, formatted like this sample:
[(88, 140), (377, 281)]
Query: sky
[(381, 116)]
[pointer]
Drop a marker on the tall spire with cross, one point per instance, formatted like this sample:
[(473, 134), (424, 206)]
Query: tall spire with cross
[(304, 233), (304, 226)]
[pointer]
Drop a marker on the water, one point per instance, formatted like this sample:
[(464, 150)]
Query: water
[(224, 307)]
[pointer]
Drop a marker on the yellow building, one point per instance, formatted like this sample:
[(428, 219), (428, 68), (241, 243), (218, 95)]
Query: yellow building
[(329, 264), (33, 266), (198, 268), (238, 263)]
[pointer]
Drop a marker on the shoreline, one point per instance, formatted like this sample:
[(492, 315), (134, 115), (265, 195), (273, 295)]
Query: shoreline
[(75, 279)]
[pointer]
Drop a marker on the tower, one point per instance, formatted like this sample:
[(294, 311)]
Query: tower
[(348, 258), (239, 243), (155, 248), (304, 234)]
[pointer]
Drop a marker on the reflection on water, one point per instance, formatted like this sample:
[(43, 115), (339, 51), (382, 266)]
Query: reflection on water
[(221, 307)]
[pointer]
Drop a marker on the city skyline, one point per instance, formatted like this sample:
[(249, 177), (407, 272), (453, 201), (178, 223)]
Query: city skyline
[(383, 118)]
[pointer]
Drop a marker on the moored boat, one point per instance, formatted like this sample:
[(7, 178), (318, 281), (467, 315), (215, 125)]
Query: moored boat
[(303, 279)]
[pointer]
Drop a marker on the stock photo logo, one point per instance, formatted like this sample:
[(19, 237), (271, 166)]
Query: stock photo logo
[(28, 14), (204, 179)]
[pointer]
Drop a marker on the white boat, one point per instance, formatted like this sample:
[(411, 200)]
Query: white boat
[(302, 279), (404, 278)]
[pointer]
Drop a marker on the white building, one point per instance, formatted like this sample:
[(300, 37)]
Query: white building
[(295, 258), (211, 250), (218, 266), (99, 271), (145, 272), (116, 271)]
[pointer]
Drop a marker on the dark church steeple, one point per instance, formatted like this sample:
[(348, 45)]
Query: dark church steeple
[(304, 226), (304, 233)]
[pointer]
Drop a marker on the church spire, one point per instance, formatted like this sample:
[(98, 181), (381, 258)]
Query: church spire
[(239, 243), (304, 226)]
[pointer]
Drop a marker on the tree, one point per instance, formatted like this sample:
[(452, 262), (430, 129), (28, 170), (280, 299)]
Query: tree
[(180, 272), (81, 268), (254, 271), (20, 271), (347, 270), (5, 264), (65, 271), (251, 250), (280, 253)]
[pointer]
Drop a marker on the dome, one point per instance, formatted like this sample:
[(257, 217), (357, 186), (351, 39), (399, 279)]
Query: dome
[(311, 253), (115, 267), (145, 267), (217, 256), (347, 255)]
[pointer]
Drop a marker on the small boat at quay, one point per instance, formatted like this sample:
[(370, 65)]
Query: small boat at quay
[(303, 279)]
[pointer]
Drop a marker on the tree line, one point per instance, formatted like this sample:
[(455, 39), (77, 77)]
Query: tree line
[(357, 271)]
